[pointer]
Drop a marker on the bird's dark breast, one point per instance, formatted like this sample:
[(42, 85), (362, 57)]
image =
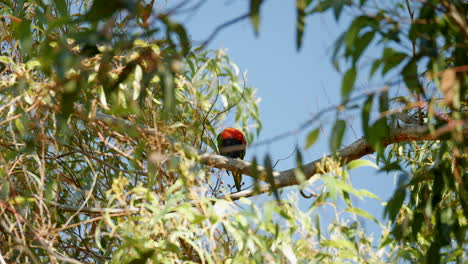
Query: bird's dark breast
[(229, 149)]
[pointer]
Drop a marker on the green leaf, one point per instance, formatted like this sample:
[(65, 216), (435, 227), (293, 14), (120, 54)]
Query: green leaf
[(347, 198), (198, 74), (366, 193), (4, 188), (411, 77), (338, 8), (61, 7), (299, 170), (6, 59), (376, 133), (391, 59), (322, 6), (338, 243), (102, 9), (360, 163), (317, 227), (366, 111), (361, 44), (6, 3), (403, 179), (394, 205), (300, 22), (255, 14), (167, 83), (20, 126), (338, 45), (270, 177), (354, 29), (348, 83), (23, 33), (375, 66), (51, 190), (337, 135), (383, 101), (254, 169), (358, 211), (312, 138), (179, 30)]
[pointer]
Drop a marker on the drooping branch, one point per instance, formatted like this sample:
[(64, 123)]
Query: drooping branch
[(358, 149)]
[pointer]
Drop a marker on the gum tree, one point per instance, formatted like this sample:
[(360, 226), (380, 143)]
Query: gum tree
[(109, 116)]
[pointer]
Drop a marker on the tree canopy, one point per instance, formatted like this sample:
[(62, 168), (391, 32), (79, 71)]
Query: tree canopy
[(109, 113)]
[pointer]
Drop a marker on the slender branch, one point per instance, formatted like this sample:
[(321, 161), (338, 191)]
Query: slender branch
[(224, 25), (93, 210)]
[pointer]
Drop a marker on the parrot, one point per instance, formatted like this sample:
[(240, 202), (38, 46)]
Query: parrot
[(231, 143)]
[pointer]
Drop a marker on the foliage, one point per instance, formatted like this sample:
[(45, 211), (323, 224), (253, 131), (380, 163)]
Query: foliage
[(423, 44), (98, 99), (56, 62)]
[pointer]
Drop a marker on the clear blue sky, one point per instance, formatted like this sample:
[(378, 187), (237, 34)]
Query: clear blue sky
[(293, 85)]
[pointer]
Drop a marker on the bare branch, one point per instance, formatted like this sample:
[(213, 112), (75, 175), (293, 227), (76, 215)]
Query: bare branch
[(223, 26), (93, 210)]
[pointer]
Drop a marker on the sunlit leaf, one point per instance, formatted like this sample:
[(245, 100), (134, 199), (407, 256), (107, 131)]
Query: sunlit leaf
[(360, 212), (312, 138), (361, 163), (337, 135)]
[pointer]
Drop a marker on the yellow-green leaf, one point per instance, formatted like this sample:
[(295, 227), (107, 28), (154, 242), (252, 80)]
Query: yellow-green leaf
[(312, 137)]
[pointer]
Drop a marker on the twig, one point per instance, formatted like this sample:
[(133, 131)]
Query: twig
[(88, 196), (94, 210), (223, 26), (57, 230)]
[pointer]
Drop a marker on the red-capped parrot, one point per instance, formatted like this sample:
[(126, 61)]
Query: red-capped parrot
[(231, 143)]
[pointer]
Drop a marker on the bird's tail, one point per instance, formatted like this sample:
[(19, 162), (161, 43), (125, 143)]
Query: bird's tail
[(237, 180)]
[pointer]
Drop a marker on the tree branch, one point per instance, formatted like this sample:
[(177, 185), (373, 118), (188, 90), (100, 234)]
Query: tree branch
[(358, 149), (93, 210)]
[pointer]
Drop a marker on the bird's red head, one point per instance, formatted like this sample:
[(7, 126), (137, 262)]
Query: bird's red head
[(233, 133)]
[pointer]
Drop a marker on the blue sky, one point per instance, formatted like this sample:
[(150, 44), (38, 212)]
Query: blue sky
[(293, 85)]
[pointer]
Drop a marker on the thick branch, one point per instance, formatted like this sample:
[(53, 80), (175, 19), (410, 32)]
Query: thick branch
[(358, 149)]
